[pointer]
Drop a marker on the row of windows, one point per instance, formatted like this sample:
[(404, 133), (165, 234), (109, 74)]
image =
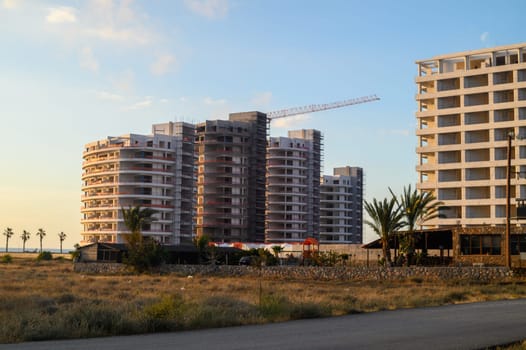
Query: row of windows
[(480, 244), (490, 244)]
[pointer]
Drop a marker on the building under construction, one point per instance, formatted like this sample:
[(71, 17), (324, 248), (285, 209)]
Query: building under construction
[(231, 178), (209, 180)]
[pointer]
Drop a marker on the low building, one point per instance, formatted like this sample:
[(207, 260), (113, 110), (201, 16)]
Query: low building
[(471, 246)]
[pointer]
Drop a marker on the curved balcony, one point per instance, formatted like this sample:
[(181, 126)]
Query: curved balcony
[(101, 161), (98, 173), (118, 147)]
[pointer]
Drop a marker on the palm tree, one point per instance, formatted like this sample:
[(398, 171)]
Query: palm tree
[(7, 233), (134, 220), (62, 237), (385, 219), (25, 236), (41, 233), (417, 208), (277, 249), (142, 254)]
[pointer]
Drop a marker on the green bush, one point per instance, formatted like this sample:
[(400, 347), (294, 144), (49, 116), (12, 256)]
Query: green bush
[(145, 255), (274, 307), (162, 315), (6, 259), (45, 256)]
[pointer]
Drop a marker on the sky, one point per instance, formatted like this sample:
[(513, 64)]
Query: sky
[(72, 72)]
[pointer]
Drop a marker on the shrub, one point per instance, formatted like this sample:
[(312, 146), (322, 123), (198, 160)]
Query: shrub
[(162, 315), (455, 296), (274, 307), (6, 259), (145, 255), (44, 256), (220, 311), (309, 310)]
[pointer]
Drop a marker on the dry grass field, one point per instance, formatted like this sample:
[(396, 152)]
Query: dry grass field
[(47, 300)]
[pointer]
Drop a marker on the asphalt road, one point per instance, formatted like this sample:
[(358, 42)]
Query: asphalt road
[(466, 326)]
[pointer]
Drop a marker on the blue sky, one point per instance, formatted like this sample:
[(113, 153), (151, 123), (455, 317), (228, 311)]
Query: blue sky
[(72, 72)]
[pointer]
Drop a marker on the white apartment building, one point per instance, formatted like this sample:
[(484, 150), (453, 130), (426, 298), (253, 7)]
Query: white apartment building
[(341, 199), (292, 210), (155, 171), (468, 103)]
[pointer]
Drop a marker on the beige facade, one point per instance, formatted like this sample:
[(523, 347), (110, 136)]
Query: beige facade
[(144, 170), (468, 103)]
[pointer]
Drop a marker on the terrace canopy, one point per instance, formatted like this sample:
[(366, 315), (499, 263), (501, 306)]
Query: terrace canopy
[(424, 240)]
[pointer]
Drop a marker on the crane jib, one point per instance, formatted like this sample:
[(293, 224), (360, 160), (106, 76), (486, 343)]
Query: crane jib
[(319, 107)]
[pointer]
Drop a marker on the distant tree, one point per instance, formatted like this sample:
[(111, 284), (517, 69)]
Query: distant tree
[(277, 249), (143, 254), (385, 219), (201, 243), (62, 237), (25, 237), (41, 234), (8, 232)]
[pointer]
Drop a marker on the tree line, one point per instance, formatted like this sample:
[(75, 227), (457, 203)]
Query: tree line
[(25, 235)]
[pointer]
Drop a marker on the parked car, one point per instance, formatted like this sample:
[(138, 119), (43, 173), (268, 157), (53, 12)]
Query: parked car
[(247, 260)]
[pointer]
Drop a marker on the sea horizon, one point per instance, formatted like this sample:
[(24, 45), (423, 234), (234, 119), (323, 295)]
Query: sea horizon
[(36, 250)]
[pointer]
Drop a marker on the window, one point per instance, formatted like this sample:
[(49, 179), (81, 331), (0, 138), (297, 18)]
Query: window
[(481, 244), (518, 244)]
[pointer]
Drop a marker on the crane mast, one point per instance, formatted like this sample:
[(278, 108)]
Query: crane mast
[(289, 112)]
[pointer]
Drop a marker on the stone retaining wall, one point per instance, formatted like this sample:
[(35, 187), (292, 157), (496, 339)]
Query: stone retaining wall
[(315, 273)]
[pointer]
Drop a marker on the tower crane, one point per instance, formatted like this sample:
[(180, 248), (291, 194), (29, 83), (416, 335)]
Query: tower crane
[(289, 112)]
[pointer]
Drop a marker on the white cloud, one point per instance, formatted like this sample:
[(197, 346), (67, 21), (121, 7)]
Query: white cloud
[(104, 20), (291, 122), (61, 14), (208, 8), (163, 64), (129, 36), (211, 101), (10, 4), (262, 99), (164, 100), (484, 36), (116, 21), (104, 95), (88, 60), (140, 105)]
